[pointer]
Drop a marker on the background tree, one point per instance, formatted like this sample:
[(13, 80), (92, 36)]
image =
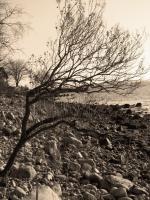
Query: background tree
[(11, 29), (86, 57), (17, 71), (37, 71)]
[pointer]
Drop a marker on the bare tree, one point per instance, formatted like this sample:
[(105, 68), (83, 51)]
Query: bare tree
[(17, 71), (36, 77), (36, 72), (10, 28), (86, 57)]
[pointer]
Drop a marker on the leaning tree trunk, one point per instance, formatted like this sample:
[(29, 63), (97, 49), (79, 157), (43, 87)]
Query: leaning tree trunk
[(21, 141), (12, 158)]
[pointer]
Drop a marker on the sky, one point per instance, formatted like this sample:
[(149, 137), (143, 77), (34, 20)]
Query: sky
[(42, 17)]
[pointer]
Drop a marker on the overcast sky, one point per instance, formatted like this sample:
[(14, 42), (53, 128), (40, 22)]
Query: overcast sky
[(42, 17)]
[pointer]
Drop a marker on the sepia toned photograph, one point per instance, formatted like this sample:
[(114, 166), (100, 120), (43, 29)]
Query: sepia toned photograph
[(74, 99)]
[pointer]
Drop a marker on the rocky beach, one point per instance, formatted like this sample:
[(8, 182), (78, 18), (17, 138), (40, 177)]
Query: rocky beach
[(104, 156)]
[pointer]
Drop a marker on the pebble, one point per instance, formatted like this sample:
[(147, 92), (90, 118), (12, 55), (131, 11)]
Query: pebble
[(19, 192), (89, 196), (10, 116), (138, 190), (53, 150), (103, 191), (108, 197), (72, 140)]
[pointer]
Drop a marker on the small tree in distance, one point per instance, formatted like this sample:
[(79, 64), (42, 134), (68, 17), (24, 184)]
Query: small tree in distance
[(86, 57), (37, 75), (11, 29), (17, 71)]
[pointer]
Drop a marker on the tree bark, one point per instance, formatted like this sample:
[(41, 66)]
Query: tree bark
[(12, 158), (20, 143)]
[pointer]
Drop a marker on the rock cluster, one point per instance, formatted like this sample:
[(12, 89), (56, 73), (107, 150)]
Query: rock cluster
[(110, 161)]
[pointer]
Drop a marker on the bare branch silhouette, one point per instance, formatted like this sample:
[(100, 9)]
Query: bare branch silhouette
[(86, 57)]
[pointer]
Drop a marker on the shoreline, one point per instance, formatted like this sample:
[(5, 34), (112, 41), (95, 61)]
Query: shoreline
[(107, 155)]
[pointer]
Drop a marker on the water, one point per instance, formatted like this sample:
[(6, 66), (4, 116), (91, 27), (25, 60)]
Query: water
[(109, 99), (145, 103)]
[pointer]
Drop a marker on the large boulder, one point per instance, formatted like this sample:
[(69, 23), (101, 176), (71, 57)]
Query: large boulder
[(23, 172), (118, 192), (139, 105), (118, 181), (44, 193)]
